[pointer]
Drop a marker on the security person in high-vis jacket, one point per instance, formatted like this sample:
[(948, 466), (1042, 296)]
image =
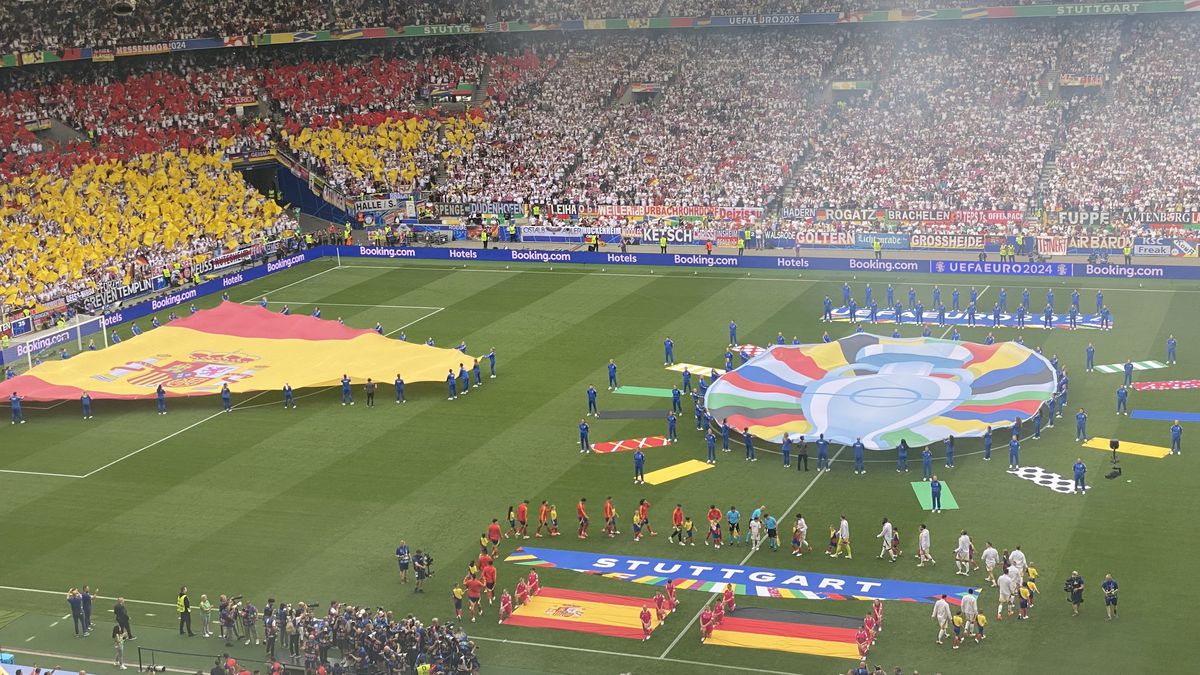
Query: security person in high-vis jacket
[(183, 605)]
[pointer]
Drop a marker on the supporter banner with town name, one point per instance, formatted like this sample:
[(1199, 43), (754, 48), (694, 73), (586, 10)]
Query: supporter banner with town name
[(95, 53)]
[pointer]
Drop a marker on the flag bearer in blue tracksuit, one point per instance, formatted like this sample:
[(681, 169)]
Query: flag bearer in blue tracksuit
[(676, 406), (289, 398), (1091, 357), (937, 296), (891, 295), (584, 446), (728, 360), (935, 495), (926, 463), (639, 467), (1081, 425), (902, 454), (701, 386), (1105, 318), (1025, 298), (853, 307), (971, 315), (846, 293), (1021, 316), (732, 333), (987, 444), (492, 363), (1176, 439), (827, 313), (995, 315), (1099, 301), (687, 381), (1073, 317), (1003, 300), (822, 453), (1048, 318), (1037, 424), (1171, 344), (612, 375), (699, 411), (749, 441), (898, 311), (348, 397), (725, 435), (466, 379), (941, 310), (668, 352), (1128, 373), (786, 447), (710, 440), (400, 389), (591, 399), (1122, 396), (86, 401), (949, 452), (450, 384), (858, 457), (912, 298), (477, 372), (671, 419), (226, 398), (1014, 453), (161, 395), (954, 299), (1079, 470), (896, 333), (867, 295)]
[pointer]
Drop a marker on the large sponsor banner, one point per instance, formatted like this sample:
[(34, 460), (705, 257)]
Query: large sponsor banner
[(824, 239), (892, 241), (958, 242), (713, 577), (1000, 268)]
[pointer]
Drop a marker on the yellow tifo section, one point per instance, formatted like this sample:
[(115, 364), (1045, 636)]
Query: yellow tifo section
[(676, 471), (63, 228), (1127, 448), (781, 643)]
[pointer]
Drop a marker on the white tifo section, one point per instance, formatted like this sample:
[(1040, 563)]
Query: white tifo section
[(244, 404)]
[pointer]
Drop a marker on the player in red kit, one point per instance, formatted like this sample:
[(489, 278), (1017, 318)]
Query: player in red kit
[(523, 519), (474, 592), (869, 624), (484, 560), (877, 612), (645, 617), (672, 603), (493, 535), (581, 511), (489, 580), (543, 512), (505, 605), (677, 523), (718, 613), (864, 642), (532, 586), (706, 624), (660, 606), (610, 524), (714, 526), (644, 514)]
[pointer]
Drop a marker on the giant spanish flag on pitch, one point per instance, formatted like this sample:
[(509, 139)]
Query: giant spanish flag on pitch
[(248, 348), (583, 612)]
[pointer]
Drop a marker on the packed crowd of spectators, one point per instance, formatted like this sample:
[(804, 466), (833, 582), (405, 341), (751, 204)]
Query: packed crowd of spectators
[(1137, 146), (949, 123)]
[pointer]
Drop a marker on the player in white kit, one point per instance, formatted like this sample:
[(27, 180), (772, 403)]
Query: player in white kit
[(886, 535), (923, 547), (942, 614), (990, 559), (962, 555), (1006, 587), (755, 534)]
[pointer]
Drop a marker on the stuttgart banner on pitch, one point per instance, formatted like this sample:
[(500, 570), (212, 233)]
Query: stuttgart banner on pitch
[(248, 348)]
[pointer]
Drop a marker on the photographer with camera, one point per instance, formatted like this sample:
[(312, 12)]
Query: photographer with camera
[(1074, 589), (422, 568)]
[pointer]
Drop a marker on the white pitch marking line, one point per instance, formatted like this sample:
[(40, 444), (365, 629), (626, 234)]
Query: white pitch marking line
[(30, 638), (311, 276), (786, 511), (168, 437), (54, 624), (40, 473), (346, 304)]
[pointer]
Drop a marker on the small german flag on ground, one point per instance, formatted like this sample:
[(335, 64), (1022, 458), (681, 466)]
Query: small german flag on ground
[(785, 631)]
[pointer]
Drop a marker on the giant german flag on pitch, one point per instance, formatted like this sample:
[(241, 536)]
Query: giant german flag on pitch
[(248, 348)]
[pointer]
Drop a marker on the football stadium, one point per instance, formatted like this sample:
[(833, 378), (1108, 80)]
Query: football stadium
[(651, 336)]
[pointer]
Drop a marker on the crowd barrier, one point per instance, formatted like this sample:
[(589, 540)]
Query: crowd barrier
[(183, 296)]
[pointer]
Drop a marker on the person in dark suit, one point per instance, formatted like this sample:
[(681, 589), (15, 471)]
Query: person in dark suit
[(122, 616)]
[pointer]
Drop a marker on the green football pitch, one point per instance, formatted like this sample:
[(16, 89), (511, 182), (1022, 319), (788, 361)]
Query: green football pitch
[(309, 504)]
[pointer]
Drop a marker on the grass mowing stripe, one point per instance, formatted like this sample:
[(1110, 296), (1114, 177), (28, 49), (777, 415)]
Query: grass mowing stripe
[(746, 559)]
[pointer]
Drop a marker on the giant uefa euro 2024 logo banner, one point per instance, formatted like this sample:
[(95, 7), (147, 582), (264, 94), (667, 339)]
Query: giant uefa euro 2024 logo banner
[(883, 390)]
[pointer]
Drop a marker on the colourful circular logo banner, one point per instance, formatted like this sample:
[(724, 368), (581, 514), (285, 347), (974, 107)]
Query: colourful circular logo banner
[(883, 390)]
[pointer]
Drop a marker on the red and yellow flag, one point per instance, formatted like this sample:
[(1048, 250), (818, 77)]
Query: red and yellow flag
[(583, 612), (248, 348)]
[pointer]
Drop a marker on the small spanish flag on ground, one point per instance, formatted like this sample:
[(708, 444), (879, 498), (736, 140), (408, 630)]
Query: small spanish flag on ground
[(583, 612), (796, 632)]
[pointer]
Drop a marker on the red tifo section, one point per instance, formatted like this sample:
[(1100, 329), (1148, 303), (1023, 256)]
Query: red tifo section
[(230, 318)]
